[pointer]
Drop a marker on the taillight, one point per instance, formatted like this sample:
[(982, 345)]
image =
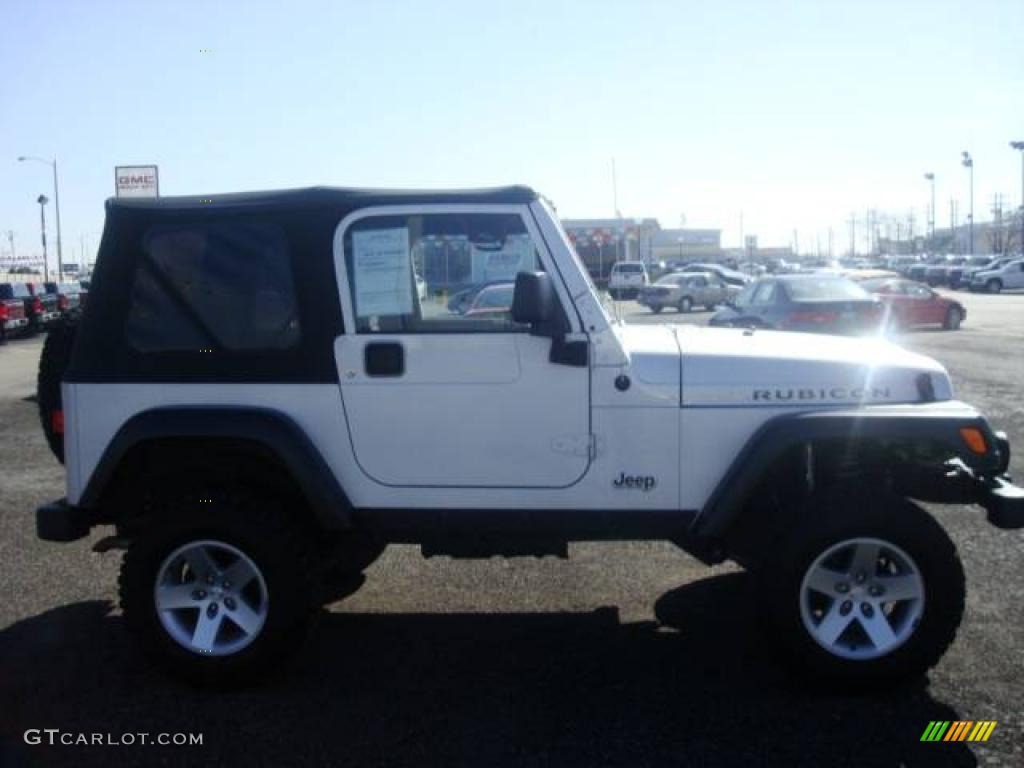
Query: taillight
[(62, 303), (37, 306), (811, 317), (57, 422), (5, 312)]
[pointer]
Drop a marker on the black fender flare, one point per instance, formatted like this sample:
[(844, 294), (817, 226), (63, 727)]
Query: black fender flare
[(269, 428), (937, 422)]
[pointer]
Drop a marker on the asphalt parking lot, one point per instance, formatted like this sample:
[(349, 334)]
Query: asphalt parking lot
[(624, 655)]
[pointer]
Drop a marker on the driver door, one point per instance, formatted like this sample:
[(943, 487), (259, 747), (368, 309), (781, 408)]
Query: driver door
[(450, 391)]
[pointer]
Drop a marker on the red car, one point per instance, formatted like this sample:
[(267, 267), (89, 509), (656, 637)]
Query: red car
[(911, 304)]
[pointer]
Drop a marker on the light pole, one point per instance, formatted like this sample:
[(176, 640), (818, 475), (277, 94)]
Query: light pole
[(43, 200), (930, 178), (56, 205), (968, 162), (1019, 145)]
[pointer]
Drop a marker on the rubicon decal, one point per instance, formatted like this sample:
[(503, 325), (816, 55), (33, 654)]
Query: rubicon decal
[(958, 730), (822, 394), (639, 482)]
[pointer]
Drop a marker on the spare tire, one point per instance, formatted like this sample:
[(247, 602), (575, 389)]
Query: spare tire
[(52, 362)]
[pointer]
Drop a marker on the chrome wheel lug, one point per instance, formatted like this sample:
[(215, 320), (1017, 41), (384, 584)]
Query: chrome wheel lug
[(211, 610), (842, 587), (229, 603), (867, 610), (846, 607)]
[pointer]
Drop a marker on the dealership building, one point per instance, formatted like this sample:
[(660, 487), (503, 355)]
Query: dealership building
[(602, 242)]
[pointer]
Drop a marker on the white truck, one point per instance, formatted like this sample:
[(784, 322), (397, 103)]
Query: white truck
[(258, 400), (1008, 275)]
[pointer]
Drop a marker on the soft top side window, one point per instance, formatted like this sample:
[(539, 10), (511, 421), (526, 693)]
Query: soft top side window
[(213, 286)]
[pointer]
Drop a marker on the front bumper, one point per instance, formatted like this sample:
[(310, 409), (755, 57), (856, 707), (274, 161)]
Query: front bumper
[(1003, 501), (60, 521)]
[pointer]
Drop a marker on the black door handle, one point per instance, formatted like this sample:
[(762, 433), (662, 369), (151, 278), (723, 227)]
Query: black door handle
[(384, 358)]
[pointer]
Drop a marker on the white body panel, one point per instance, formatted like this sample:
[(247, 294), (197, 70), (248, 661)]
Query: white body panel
[(1011, 275)]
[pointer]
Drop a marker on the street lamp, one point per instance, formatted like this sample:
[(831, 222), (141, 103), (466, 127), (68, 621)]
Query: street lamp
[(930, 177), (56, 204), (43, 200), (968, 162), (1019, 145)]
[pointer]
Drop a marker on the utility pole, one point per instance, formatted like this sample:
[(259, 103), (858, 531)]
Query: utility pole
[(953, 220), (1019, 145), (968, 162), (853, 235), (10, 239), (930, 177), (43, 200), (830, 242), (615, 192)]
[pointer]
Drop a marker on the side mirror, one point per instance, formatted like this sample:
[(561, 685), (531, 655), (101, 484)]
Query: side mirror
[(534, 300)]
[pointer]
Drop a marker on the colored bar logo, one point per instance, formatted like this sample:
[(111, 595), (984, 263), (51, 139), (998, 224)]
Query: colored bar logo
[(958, 730)]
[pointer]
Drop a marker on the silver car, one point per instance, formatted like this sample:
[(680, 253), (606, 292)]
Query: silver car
[(683, 291)]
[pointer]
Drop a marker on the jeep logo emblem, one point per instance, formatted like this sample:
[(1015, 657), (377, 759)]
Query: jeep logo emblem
[(640, 482)]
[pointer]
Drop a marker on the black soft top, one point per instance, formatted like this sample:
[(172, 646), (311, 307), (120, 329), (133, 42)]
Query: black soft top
[(334, 197)]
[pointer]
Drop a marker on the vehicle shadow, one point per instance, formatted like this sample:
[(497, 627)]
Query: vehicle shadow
[(697, 687)]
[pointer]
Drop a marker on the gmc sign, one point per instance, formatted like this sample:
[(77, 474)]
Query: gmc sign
[(136, 181)]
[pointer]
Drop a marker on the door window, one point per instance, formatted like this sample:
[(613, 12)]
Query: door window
[(437, 273)]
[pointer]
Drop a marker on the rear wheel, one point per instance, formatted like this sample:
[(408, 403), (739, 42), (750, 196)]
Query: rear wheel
[(994, 286), (220, 589), (953, 319), (867, 590), (685, 304)]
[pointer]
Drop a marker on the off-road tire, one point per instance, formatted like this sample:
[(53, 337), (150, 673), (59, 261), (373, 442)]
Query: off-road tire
[(342, 571), (845, 513), (256, 525), (53, 361)]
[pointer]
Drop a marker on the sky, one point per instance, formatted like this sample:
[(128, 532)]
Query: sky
[(794, 113)]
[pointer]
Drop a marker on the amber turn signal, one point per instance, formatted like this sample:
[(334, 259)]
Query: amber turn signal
[(974, 439)]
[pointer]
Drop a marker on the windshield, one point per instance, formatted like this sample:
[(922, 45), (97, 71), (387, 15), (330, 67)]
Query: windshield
[(824, 289)]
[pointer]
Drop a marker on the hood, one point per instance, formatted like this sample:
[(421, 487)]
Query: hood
[(716, 367), (735, 367)]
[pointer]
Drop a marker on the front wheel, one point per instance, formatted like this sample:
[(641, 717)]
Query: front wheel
[(953, 319), (685, 304), (220, 590), (993, 286), (656, 308), (868, 590)]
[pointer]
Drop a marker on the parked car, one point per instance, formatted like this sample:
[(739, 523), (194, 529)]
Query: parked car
[(492, 300), (918, 271), (627, 278), (684, 291), (1009, 275), (961, 277), (728, 276), (909, 304), (32, 304), (12, 309), (45, 309), (460, 301), (83, 292), (69, 297), (812, 303), (938, 274)]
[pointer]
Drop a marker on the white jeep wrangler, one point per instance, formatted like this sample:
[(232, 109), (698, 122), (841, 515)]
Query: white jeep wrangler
[(259, 399)]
